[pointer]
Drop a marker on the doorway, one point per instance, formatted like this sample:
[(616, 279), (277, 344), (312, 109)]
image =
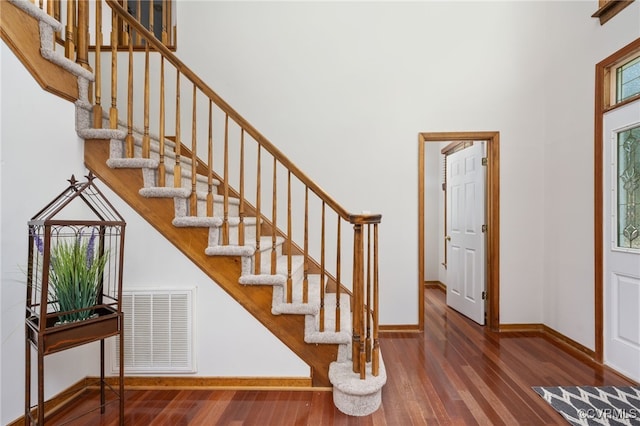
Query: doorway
[(604, 105), (621, 238), (492, 203)]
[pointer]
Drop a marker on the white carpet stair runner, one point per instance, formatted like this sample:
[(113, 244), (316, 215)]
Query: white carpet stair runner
[(352, 395)]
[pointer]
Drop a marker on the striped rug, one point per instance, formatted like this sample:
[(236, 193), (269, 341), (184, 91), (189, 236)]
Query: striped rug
[(589, 405)]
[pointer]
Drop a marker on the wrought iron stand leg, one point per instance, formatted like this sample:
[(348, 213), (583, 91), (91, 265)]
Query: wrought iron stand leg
[(102, 398), (40, 387), (27, 380)]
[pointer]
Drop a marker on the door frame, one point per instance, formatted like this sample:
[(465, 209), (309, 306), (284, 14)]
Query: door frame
[(492, 204), (602, 105)]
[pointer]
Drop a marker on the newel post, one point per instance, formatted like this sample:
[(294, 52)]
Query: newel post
[(358, 354), (365, 347)]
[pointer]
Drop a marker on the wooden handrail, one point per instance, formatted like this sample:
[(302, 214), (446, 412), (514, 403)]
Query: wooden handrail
[(235, 116)]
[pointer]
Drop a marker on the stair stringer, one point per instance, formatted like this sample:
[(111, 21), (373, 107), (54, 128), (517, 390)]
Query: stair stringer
[(224, 270)]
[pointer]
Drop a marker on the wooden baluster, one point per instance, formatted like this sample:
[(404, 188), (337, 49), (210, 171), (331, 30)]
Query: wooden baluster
[(177, 169), (357, 344), (97, 107), (210, 163), (173, 29), (151, 19), (289, 238), (338, 281), (69, 44), (375, 357), (305, 280), (257, 257), (74, 25), (322, 273), (146, 139), (57, 14), (113, 111), (129, 140), (165, 38), (367, 309), (274, 222), (138, 18), (162, 165), (225, 223), (82, 36), (125, 29), (193, 207), (241, 208)]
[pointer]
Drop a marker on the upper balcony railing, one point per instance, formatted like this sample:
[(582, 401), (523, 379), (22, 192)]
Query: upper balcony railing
[(198, 136)]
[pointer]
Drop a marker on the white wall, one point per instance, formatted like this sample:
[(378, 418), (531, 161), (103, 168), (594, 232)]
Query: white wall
[(352, 85), (1, 228), (38, 156), (433, 212), (568, 161), (345, 87), (39, 151)]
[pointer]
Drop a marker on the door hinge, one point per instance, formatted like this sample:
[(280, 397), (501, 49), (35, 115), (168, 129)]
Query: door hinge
[(484, 161), (484, 228), (484, 295)]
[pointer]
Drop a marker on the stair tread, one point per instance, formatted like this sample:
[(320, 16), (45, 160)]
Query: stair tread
[(208, 221), (182, 192)]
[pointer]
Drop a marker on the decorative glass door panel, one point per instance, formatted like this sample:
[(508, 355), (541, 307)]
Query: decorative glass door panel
[(628, 189)]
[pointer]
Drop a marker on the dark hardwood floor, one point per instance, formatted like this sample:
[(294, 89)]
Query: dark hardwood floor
[(456, 373)]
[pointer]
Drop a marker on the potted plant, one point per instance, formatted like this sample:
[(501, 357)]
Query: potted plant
[(75, 276)]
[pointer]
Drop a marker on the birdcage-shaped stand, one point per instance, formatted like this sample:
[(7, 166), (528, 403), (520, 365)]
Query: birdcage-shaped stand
[(74, 283)]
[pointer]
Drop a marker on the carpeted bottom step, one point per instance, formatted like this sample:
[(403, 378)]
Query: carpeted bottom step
[(353, 395)]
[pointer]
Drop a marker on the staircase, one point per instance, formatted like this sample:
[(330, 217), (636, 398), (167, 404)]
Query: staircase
[(246, 219)]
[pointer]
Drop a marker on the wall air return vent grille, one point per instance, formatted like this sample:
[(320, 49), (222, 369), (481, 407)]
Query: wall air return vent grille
[(158, 332)]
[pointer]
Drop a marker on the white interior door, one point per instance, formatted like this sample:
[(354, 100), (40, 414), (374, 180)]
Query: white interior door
[(622, 240), (466, 187)]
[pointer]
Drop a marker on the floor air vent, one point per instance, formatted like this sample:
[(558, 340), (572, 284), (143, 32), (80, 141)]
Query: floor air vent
[(158, 332)]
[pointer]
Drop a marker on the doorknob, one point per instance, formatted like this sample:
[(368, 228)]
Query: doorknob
[(447, 238)]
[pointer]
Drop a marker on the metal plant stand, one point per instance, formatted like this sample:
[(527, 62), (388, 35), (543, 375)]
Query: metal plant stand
[(97, 239)]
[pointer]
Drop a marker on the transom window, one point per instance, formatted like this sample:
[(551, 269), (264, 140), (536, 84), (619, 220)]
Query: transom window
[(622, 81), (628, 80)]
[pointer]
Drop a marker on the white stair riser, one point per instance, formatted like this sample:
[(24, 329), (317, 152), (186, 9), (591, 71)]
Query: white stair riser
[(297, 272), (215, 235), (117, 150), (182, 206), (201, 183)]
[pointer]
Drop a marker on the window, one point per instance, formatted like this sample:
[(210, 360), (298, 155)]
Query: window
[(628, 80), (156, 15), (622, 80)]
